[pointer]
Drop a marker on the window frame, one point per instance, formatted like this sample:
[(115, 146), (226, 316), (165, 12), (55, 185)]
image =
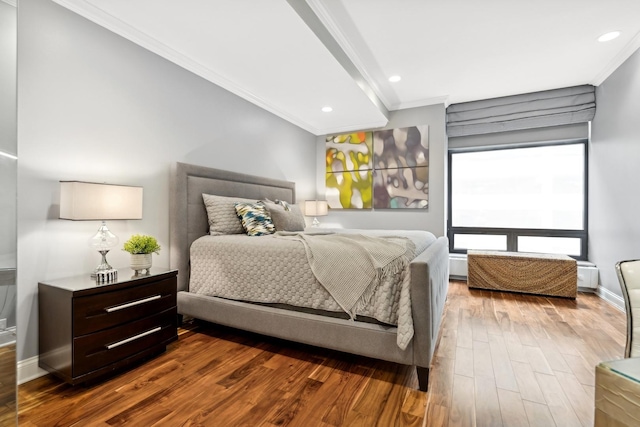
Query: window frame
[(513, 233)]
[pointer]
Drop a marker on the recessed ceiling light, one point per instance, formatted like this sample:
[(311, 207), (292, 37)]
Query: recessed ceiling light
[(609, 36), (394, 79), (327, 109)]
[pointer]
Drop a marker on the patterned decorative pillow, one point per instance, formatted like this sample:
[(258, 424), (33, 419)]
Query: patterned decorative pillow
[(222, 215), (255, 218), (285, 217)]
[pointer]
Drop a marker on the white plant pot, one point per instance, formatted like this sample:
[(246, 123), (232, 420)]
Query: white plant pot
[(140, 262)]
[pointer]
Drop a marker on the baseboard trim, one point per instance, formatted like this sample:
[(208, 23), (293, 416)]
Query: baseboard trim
[(29, 370), (611, 298)]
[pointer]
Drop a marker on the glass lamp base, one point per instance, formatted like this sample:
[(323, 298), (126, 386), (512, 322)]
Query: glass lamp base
[(104, 271), (315, 222)]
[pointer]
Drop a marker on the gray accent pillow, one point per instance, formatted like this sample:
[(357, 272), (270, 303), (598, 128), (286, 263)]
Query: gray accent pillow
[(221, 212), (291, 220)]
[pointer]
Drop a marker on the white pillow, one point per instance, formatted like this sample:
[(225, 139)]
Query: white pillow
[(221, 212)]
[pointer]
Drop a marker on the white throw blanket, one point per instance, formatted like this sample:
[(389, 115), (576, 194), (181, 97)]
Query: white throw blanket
[(351, 266)]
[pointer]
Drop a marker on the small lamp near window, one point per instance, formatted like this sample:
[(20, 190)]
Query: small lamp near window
[(315, 208), (88, 201)]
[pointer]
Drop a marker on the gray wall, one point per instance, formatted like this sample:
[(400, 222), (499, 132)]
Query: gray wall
[(96, 107), (8, 143), (614, 169), (431, 219), (7, 78), (8, 167)]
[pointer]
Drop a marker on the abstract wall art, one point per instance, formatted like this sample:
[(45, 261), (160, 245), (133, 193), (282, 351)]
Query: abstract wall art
[(401, 188), (385, 169), (349, 168), (401, 168)]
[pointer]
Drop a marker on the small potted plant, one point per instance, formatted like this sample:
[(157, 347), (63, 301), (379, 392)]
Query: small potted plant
[(141, 247)]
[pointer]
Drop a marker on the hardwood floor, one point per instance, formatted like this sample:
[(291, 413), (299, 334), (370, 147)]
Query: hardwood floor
[(503, 359), (507, 359), (8, 412)]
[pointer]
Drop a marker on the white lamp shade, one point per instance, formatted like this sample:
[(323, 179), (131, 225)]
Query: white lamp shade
[(315, 207), (84, 201)]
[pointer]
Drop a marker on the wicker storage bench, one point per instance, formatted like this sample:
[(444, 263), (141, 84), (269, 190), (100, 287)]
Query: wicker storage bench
[(543, 274)]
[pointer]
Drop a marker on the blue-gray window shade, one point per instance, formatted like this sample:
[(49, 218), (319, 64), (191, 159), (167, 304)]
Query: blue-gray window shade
[(556, 107)]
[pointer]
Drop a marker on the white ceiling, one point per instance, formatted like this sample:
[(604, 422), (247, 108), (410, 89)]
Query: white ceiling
[(293, 57)]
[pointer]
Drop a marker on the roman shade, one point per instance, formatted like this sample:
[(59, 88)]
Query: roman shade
[(558, 107)]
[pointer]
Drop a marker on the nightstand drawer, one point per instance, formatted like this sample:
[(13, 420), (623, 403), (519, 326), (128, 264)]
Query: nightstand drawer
[(94, 351), (96, 312)]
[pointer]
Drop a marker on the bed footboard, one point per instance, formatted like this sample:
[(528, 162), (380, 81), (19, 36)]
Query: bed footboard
[(429, 286)]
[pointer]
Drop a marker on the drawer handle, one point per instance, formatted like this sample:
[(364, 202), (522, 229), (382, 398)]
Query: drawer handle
[(133, 338), (131, 304)]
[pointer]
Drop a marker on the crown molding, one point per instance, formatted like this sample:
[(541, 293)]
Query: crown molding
[(353, 128), (422, 103), (113, 24), (617, 60)]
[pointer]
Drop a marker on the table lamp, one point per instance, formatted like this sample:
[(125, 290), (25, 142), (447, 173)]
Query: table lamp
[(88, 201), (315, 208)]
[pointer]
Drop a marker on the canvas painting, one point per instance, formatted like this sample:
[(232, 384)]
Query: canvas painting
[(401, 188), (349, 165), (349, 189), (401, 163)]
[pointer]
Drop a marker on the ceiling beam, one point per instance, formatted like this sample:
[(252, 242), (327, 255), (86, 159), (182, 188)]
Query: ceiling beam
[(314, 23)]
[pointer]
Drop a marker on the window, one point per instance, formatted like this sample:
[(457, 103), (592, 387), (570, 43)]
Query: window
[(527, 199)]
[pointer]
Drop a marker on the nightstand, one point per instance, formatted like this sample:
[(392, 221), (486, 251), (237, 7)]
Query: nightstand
[(90, 329)]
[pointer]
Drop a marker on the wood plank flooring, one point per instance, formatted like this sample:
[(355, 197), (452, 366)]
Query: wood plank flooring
[(502, 359), (8, 410), (507, 359)]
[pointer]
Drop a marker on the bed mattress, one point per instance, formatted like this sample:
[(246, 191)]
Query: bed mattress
[(272, 270)]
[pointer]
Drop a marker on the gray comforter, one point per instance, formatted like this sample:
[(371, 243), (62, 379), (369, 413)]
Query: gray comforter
[(269, 269)]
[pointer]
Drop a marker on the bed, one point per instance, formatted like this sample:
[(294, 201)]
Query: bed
[(428, 280)]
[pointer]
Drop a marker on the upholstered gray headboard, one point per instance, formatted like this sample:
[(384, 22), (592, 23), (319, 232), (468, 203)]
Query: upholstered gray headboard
[(188, 216)]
